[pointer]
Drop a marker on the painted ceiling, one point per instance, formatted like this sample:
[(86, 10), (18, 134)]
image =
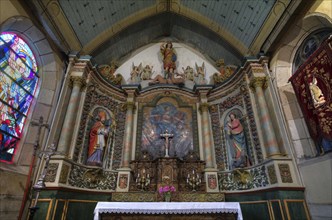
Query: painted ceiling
[(111, 30)]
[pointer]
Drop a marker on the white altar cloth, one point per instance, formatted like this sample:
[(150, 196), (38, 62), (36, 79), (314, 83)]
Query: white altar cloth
[(167, 208)]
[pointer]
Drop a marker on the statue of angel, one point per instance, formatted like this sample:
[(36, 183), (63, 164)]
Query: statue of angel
[(200, 74), (135, 74), (146, 72)]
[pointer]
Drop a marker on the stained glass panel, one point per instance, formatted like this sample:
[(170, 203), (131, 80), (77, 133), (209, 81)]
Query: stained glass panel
[(18, 83)]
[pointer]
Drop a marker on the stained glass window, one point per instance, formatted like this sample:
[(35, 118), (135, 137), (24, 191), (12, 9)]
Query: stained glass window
[(18, 83)]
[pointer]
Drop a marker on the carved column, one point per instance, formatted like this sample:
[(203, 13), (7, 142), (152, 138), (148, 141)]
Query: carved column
[(258, 82), (78, 75)]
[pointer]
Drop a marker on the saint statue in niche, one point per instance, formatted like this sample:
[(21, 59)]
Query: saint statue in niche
[(99, 136), (236, 141), (165, 116)]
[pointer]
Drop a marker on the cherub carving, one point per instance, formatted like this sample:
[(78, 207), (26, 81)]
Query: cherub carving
[(224, 72), (108, 71), (146, 72), (188, 73)]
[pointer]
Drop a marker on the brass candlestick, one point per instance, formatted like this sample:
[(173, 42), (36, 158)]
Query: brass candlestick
[(193, 180), (143, 180)]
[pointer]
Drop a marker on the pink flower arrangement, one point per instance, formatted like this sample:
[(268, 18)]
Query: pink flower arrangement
[(167, 190)]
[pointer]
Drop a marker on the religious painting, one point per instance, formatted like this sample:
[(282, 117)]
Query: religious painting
[(212, 181), (100, 132), (166, 116), (123, 181), (236, 140), (18, 84)]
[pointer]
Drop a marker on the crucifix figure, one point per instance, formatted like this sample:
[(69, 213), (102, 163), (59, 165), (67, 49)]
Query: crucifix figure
[(167, 136)]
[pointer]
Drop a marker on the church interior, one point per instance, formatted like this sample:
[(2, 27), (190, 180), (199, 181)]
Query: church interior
[(166, 102)]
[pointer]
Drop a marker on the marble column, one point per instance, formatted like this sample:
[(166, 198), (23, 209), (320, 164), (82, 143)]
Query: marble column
[(258, 83), (78, 80), (206, 134), (206, 128), (128, 134), (127, 143)]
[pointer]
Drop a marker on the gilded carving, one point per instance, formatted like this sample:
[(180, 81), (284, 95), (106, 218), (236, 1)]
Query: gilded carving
[(272, 174), (78, 80), (225, 72), (258, 82), (243, 179), (64, 174), (128, 105), (285, 174), (201, 197), (256, 68), (51, 172), (203, 107), (97, 178), (134, 197)]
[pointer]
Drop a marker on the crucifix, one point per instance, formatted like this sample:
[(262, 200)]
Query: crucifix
[(167, 136)]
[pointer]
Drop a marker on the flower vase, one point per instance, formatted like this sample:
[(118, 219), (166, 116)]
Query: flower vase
[(167, 197)]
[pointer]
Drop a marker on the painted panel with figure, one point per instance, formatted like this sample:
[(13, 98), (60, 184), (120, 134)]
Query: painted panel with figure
[(177, 121)]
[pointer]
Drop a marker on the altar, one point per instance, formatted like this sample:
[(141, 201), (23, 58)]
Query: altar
[(167, 210)]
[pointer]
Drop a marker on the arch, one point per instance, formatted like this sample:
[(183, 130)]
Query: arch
[(48, 86), (290, 44)]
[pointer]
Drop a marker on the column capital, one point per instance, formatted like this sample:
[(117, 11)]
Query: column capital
[(204, 107), (78, 81), (203, 91), (128, 105), (258, 82)]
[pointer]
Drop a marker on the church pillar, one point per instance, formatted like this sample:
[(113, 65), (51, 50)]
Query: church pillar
[(78, 76), (124, 171), (258, 82), (206, 135), (211, 177), (127, 145)]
